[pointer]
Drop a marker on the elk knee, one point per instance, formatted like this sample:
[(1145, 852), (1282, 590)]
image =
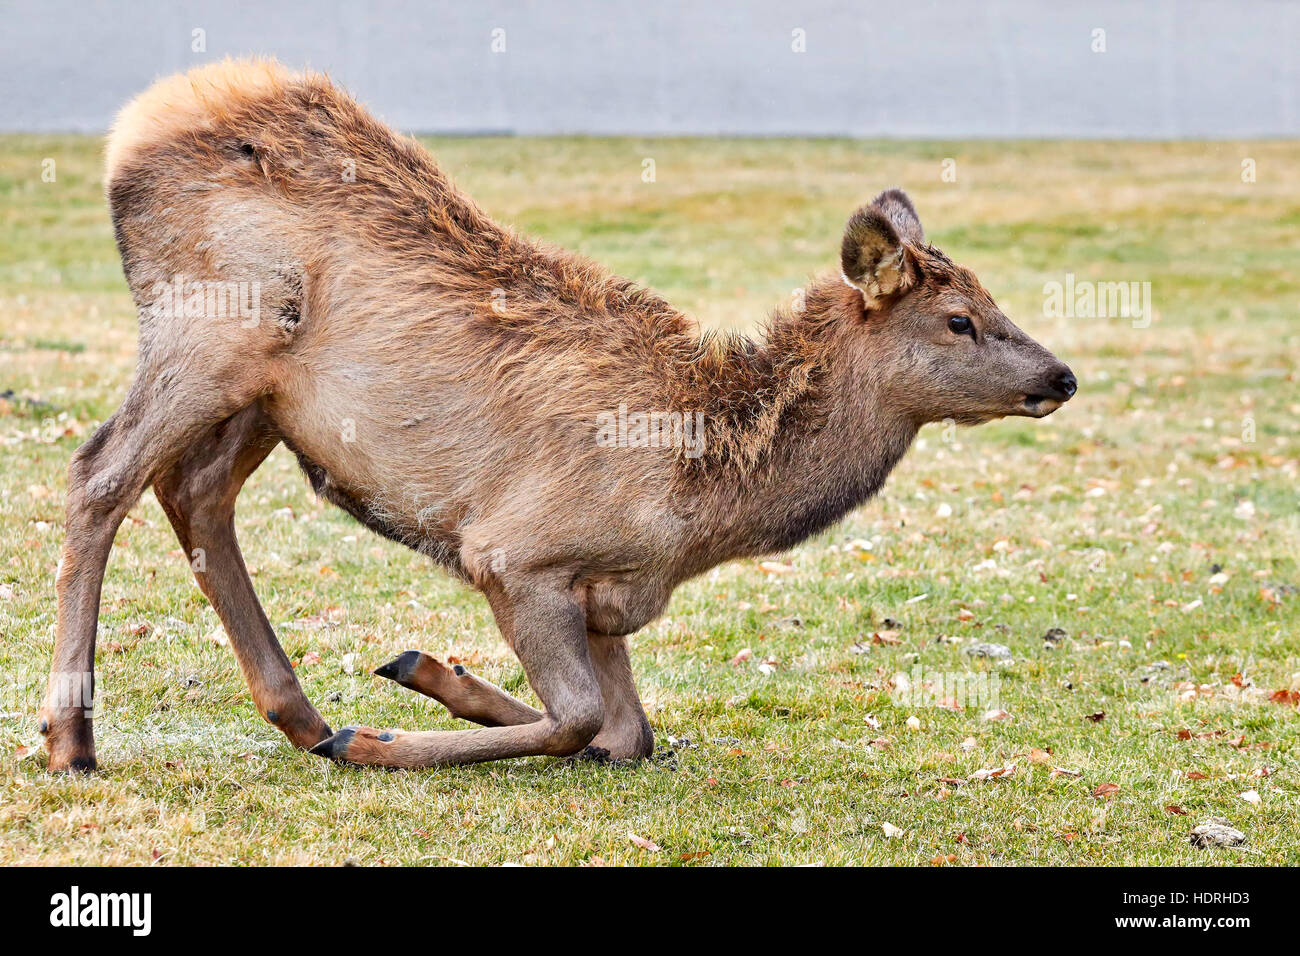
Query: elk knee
[(576, 729)]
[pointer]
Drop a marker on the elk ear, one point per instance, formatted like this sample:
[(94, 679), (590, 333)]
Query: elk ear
[(874, 257), (898, 208)]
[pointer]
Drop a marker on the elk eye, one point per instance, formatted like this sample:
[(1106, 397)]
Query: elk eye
[(960, 324)]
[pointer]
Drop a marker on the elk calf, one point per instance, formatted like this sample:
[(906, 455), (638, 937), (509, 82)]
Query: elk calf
[(498, 405)]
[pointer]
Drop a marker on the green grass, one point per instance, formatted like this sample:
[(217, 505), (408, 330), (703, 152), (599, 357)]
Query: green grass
[(1105, 520)]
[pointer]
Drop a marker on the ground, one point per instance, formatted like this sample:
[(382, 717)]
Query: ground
[(1153, 520)]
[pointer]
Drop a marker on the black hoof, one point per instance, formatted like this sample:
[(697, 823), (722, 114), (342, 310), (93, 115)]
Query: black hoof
[(79, 765), (400, 668), (593, 755), (336, 746)]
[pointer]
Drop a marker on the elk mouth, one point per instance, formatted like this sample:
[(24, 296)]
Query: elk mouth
[(1039, 406)]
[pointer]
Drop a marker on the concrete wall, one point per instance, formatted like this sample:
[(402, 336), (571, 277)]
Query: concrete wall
[(923, 68)]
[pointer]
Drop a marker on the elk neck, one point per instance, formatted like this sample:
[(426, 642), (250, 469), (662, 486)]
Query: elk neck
[(816, 435)]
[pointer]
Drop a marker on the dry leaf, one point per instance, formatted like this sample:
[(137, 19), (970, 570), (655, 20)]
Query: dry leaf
[(1174, 808), (1039, 756), (1251, 797), (775, 567), (890, 831), (649, 845), (1105, 790), (994, 773), (740, 658), (1063, 772), (997, 715)]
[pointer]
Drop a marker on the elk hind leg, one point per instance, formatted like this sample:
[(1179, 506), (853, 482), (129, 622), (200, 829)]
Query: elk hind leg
[(198, 494)]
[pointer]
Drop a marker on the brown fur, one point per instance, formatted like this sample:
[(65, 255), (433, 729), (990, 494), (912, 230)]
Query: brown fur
[(441, 378)]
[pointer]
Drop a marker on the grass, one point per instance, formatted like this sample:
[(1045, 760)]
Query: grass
[(1177, 462)]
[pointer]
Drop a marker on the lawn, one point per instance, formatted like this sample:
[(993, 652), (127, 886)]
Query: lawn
[(1154, 520)]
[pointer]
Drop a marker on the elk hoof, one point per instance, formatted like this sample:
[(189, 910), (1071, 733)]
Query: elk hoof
[(400, 668), (335, 747), (74, 765)]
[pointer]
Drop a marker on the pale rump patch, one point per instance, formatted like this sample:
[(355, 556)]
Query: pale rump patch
[(187, 101)]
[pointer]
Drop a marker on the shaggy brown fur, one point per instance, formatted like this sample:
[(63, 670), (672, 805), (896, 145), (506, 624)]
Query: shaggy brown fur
[(444, 381)]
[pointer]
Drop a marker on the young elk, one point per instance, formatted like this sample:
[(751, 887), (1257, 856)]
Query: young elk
[(304, 275)]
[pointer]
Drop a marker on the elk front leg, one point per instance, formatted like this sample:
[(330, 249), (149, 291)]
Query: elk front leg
[(547, 630), (626, 733), (462, 693)]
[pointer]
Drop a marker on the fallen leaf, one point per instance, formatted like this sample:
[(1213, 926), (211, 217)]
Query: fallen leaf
[(1251, 797), (1195, 775), (744, 654), (1175, 809), (1039, 756), (649, 845), (1063, 772), (1096, 718), (997, 715), (1105, 790), (994, 773), (697, 855), (890, 831)]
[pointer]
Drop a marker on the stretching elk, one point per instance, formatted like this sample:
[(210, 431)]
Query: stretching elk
[(457, 388)]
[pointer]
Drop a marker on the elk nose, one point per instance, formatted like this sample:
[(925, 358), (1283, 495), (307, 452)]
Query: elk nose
[(1067, 383)]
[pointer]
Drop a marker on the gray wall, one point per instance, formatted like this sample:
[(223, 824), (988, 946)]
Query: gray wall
[(924, 68)]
